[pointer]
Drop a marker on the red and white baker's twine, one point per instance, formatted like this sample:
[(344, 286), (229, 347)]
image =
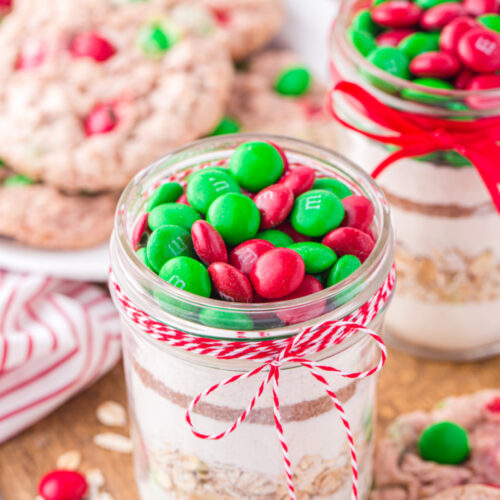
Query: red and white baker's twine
[(273, 354)]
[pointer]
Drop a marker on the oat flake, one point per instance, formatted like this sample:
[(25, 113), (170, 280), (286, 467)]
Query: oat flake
[(70, 460), (112, 414), (114, 442)]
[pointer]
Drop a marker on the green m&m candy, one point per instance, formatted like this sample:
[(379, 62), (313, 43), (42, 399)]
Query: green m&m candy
[(153, 40), (417, 43), (491, 21), (426, 97), (205, 187), (192, 175), (392, 61), (256, 165), (316, 212), (362, 21), (227, 320), (18, 180), (227, 125), (316, 256), (444, 443), (334, 185), (362, 40), (187, 274), (167, 242), (175, 214), (293, 81), (344, 267), (235, 216), (427, 4), (143, 256), (166, 193), (276, 237)]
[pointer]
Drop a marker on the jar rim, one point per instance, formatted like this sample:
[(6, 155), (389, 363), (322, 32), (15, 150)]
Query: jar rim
[(380, 260), (338, 34)]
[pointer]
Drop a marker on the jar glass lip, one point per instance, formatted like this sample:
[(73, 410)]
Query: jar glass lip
[(381, 257), (338, 33)]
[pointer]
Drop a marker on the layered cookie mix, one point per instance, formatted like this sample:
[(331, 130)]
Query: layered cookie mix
[(276, 93), (93, 91), (452, 452), (40, 215)]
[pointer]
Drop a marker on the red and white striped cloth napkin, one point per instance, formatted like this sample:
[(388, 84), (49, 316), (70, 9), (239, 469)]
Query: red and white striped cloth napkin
[(56, 338)]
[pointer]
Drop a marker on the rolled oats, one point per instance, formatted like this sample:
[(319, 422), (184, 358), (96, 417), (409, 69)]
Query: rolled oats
[(112, 414), (113, 442), (70, 460)]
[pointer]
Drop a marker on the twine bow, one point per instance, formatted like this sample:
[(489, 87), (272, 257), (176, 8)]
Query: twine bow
[(287, 356), (272, 355), (418, 135)]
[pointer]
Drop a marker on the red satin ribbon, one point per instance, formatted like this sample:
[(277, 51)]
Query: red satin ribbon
[(418, 135)]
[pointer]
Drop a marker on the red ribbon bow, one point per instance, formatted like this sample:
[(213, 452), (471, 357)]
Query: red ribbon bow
[(418, 135)]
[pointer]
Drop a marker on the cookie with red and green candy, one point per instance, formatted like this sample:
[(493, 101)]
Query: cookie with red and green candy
[(102, 88), (257, 229), (456, 443), (274, 92), (434, 43)]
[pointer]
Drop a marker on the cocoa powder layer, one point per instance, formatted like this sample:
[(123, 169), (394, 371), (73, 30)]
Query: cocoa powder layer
[(290, 413)]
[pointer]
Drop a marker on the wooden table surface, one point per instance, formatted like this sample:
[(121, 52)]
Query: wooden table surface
[(406, 384)]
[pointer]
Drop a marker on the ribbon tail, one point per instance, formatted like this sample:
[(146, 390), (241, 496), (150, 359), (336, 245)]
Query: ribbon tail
[(245, 412), (281, 434), (485, 162)]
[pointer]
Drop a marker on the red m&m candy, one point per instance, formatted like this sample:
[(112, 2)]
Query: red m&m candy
[(63, 485), (244, 256), (299, 180), (208, 243), (101, 119), (91, 44), (349, 241), (440, 15), (484, 82), (274, 204), (308, 286), (359, 212), (479, 50), (287, 228), (435, 65), (230, 283), (397, 14), (453, 32), (393, 37), (480, 7), (463, 79), (277, 273)]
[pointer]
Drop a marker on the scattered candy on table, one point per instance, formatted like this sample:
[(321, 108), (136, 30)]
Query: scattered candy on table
[(63, 485), (254, 230), (443, 45)]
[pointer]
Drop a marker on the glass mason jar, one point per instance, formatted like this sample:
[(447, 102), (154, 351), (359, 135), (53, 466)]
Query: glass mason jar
[(170, 462), (447, 305)]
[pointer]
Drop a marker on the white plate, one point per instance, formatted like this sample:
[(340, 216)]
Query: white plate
[(85, 265), (306, 32)]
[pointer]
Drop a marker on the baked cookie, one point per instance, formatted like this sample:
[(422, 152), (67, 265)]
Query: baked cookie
[(92, 91), (41, 216), (246, 25), (277, 94), (401, 472)]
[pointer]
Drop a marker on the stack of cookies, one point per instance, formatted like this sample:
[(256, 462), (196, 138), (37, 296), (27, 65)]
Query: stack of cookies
[(92, 91)]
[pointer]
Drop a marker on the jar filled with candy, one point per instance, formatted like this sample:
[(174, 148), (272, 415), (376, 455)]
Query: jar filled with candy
[(417, 93), (252, 274)]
